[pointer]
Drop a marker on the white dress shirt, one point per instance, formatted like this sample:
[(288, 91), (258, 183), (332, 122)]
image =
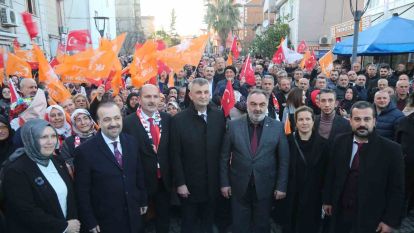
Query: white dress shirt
[(354, 150), (146, 117), (57, 183), (204, 115), (110, 145)]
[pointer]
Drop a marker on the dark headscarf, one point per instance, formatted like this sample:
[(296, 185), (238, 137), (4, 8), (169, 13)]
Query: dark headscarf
[(131, 109), (6, 146), (31, 132)]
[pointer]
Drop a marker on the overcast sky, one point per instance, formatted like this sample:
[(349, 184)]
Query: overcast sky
[(190, 14)]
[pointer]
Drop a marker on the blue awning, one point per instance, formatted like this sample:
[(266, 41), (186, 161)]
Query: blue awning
[(393, 36)]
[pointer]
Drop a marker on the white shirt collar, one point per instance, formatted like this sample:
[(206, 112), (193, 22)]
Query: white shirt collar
[(205, 113), (355, 140), (109, 141), (146, 117)]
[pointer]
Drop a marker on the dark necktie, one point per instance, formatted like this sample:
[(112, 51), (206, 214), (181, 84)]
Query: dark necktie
[(202, 115), (154, 133), (254, 140), (117, 154), (355, 162)]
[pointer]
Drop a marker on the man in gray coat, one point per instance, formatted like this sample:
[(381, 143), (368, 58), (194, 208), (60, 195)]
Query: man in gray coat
[(254, 165)]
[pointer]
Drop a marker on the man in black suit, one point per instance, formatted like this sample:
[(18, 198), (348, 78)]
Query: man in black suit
[(197, 134), (151, 129), (329, 124), (364, 190), (254, 165), (109, 179)]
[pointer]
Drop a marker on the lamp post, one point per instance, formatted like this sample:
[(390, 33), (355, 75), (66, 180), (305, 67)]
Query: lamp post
[(100, 23), (357, 18)]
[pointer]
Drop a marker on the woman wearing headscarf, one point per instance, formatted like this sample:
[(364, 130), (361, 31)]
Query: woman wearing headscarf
[(6, 139), (84, 129), (5, 101), (307, 167), (132, 103), (38, 191), (57, 118)]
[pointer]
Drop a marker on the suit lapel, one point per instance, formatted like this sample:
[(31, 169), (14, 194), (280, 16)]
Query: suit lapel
[(106, 151), (142, 130), (44, 186), (125, 151), (245, 134)]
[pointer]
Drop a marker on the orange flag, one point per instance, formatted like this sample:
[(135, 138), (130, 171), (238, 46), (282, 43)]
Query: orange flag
[(171, 80), (188, 52), (144, 65), (326, 63), (288, 128), (230, 60), (115, 44), (57, 91), (306, 56), (18, 67), (27, 55)]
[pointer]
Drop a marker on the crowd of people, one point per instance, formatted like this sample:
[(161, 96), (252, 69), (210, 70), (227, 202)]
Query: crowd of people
[(311, 151)]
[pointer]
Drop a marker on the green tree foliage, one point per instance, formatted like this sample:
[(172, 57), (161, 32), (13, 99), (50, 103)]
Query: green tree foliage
[(222, 16), (166, 37), (266, 43)]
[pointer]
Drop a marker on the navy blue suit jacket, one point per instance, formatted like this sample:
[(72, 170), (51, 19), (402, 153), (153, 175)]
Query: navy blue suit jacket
[(109, 195)]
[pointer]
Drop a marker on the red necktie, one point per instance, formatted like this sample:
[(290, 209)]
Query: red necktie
[(156, 140), (254, 140), (118, 155), (154, 133), (355, 162)]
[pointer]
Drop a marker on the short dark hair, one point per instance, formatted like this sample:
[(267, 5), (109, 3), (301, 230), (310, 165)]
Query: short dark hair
[(328, 91), (363, 105), (304, 109), (105, 104), (384, 66)]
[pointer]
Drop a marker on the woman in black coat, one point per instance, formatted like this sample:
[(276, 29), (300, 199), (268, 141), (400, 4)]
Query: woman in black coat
[(308, 162), (6, 139), (38, 192)]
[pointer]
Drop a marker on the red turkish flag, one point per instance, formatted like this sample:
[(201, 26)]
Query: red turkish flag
[(235, 48), (278, 57), (138, 45), (16, 45), (54, 62), (30, 25), (228, 100), (247, 72), (302, 47), (311, 62), (161, 45), (78, 40)]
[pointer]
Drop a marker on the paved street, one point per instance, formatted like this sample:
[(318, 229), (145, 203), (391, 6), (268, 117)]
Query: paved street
[(406, 227)]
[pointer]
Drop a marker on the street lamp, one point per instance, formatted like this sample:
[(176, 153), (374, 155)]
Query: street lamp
[(100, 23), (357, 18)]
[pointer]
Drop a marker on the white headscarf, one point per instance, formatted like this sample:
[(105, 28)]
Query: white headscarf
[(91, 131), (66, 129)]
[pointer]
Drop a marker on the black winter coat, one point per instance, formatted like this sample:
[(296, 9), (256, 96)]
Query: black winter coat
[(195, 152)]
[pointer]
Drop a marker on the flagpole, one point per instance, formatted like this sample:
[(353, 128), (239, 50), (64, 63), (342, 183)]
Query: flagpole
[(245, 67)]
